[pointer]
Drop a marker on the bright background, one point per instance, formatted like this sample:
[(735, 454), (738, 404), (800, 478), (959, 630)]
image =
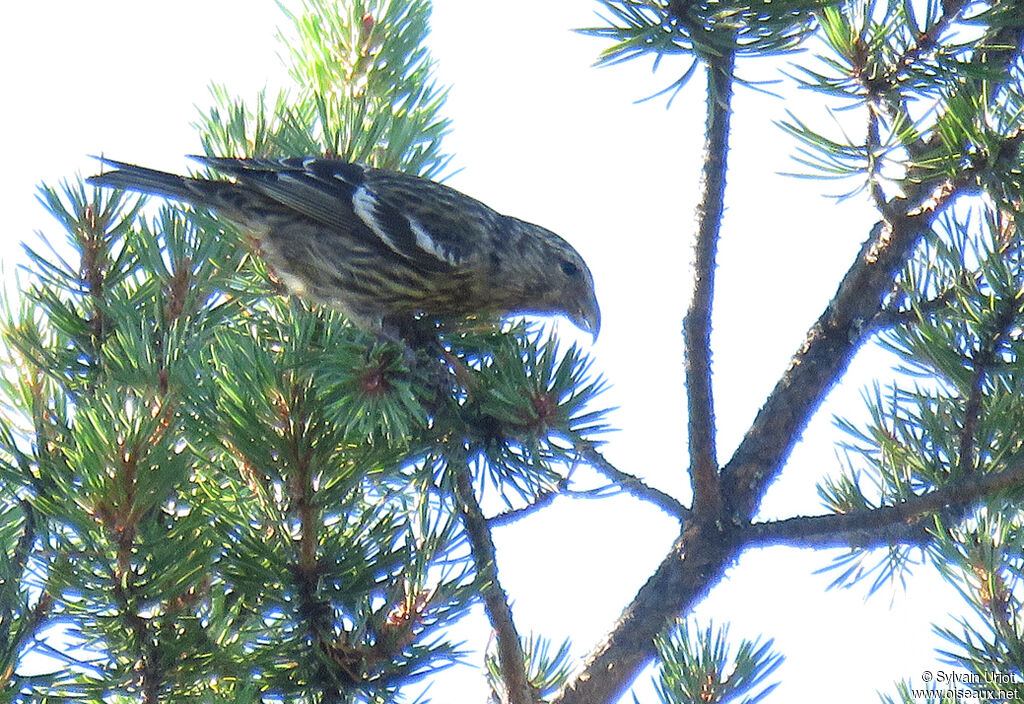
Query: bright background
[(540, 134)]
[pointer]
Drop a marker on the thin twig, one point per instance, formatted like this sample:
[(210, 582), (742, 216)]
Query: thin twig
[(546, 498), (23, 548), (874, 151), (634, 485), (982, 363), (121, 523), (313, 611), (39, 614), (891, 318), (510, 649), (885, 86)]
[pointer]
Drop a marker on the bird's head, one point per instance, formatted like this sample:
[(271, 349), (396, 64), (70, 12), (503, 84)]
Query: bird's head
[(579, 302), (559, 280)]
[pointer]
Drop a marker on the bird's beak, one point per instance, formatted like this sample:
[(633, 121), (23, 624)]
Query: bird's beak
[(588, 317)]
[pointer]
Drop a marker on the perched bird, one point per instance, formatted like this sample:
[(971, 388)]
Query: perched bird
[(383, 245)]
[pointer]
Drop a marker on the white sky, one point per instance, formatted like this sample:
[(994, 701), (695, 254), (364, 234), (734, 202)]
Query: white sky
[(540, 134)]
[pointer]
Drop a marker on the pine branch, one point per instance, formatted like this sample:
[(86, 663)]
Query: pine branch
[(95, 256), (499, 613), (889, 317), (38, 615), (314, 611), (904, 523), (121, 523), (634, 485), (830, 343), (1002, 48), (696, 561), (895, 316), (891, 101), (707, 500), (545, 499), (987, 356), (700, 556)]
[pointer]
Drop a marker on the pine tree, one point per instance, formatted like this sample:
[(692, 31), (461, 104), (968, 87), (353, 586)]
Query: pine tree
[(219, 493)]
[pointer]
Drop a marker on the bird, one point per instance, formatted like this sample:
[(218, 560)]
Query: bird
[(381, 245)]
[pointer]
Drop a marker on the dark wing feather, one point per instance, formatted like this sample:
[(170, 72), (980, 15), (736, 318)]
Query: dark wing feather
[(288, 183), (130, 177), (445, 223), (425, 223)]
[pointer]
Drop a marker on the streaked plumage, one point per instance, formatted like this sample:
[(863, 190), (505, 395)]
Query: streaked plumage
[(380, 244)]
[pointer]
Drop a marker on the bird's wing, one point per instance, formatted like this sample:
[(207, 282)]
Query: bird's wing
[(442, 222), (289, 183), (431, 226)]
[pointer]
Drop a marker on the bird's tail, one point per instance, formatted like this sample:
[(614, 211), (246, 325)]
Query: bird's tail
[(129, 177)]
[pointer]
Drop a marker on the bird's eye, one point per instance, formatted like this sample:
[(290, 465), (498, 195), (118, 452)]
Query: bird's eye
[(568, 268)]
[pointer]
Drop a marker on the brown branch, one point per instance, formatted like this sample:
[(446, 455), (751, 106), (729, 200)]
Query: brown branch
[(892, 317), (120, 519), (928, 40), (94, 242), (543, 500), (634, 485), (829, 346), (301, 491), (23, 548), (987, 356), (38, 617), (510, 650), (701, 554), (873, 149), (831, 341), (972, 411), (39, 614), (886, 86), (347, 661), (696, 561), (1001, 605), (902, 523), (704, 468)]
